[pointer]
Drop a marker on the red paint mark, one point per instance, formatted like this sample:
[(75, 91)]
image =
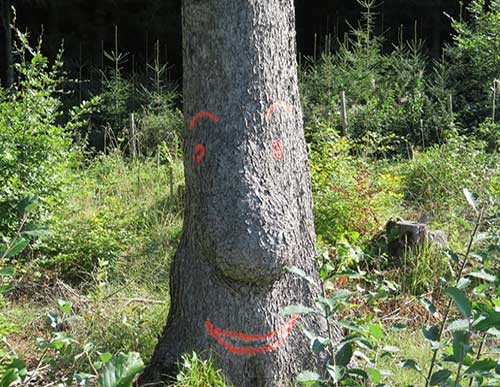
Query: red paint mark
[(274, 106), (201, 115), (278, 149), (199, 153), (282, 333)]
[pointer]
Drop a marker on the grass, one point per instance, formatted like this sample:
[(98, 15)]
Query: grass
[(117, 226), (109, 254)]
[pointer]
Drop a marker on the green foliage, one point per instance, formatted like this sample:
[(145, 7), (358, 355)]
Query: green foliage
[(437, 176), (37, 149), (195, 372), (114, 206), (475, 61), (358, 359), (392, 97)]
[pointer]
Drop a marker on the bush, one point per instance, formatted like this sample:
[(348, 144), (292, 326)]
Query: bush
[(37, 149), (475, 61), (434, 180)]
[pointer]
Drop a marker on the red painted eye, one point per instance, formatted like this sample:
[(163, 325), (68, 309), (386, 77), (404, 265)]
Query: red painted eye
[(278, 149), (199, 153)]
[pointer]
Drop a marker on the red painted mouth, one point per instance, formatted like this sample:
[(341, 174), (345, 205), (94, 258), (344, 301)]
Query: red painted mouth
[(281, 334)]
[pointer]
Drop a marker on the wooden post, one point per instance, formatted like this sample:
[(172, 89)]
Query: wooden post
[(171, 181), (132, 141), (450, 104), (495, 84), (343, 112)]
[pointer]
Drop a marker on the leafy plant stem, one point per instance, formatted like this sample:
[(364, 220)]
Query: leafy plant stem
[(479, 351), (448, 306)]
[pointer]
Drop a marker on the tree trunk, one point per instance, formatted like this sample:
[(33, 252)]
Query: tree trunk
[(9, 64), (248, 199)]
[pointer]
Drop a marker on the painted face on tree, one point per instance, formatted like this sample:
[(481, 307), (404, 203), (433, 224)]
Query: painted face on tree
[(246, 343)]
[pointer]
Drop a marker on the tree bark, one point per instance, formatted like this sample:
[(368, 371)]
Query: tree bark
[(9, 63), (248, 207)]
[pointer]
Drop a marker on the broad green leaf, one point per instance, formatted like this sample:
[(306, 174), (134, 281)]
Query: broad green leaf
[(484, 323), (27, 205), (439, 377), (65, 306), (343, 355), (121, 371), (431, 332), (309, 378), (429, 306), (298, 309), (83, 379), (357, 373), (480, 366), (469, 196), (460, 299), (410, 363), (301, 273), (463, 283), (459, 325), (17, 246), (375, 374), (9, 377), (484, 276), (391, 348), (460, 345), (105, 357), (318, 344), (336, 372), (376, 330)]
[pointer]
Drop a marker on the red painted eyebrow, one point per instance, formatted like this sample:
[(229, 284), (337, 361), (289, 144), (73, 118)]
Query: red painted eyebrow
[(274, 106), (201, 115)]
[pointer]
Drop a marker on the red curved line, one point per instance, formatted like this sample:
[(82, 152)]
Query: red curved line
[(274, 106), (201, 115), (283, 331)]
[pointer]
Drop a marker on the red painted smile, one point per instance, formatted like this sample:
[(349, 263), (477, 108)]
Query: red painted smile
[(280, 334)]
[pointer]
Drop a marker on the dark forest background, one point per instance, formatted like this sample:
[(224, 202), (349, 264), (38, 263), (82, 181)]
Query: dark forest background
[(88, 26)]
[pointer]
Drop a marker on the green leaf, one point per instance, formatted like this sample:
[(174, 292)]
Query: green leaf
[(491, 320), (105, 357), (429, 306), (375, 374), (336, 372), (460, 345), (65, 306), (309, 378), (484, 276), (410, 363), (463, 283), (376, 330), (27, 205), (459, 325), (481, 366), (298, 309), (301, 273), (83, 379), (16, 247), (469, 196), (344, 355), (439, 377), (121, 371), (318, 344), (460, 299), (431, 332)]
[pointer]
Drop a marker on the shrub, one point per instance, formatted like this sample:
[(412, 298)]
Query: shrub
[(37, 149)]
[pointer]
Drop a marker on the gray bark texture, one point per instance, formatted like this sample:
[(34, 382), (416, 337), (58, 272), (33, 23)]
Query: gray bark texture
[(7, 41), (248, 205)]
